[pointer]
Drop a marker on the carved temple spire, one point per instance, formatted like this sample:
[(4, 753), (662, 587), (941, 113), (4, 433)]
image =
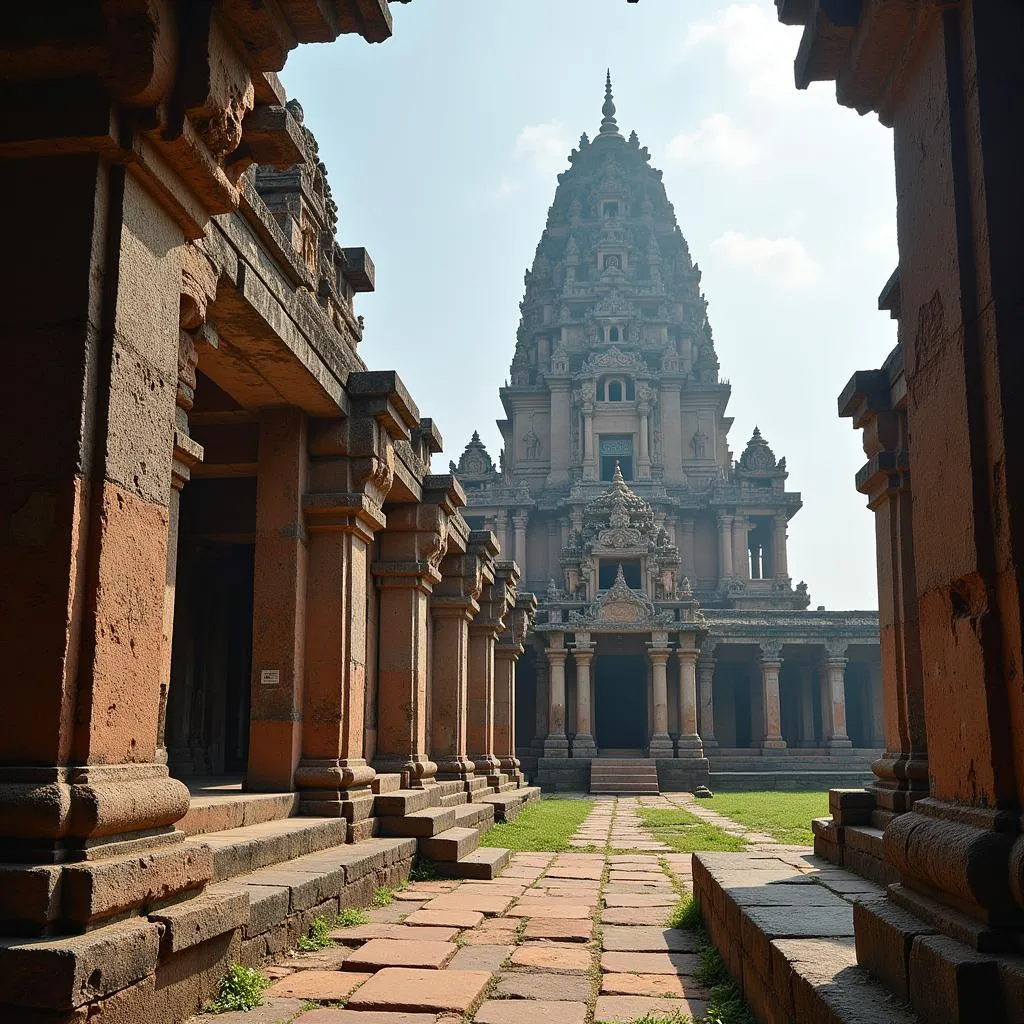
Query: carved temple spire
[(609, 126)]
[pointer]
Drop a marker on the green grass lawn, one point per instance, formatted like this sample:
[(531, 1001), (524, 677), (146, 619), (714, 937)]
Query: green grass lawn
[(784, 816), (685, 832), (546, 826)]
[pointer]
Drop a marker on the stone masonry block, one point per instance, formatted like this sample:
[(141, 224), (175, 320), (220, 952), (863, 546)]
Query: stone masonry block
[(201, 918), (950, 983), (885, 934)]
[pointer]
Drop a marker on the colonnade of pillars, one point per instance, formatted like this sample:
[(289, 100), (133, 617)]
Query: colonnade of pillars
[(659, 742)]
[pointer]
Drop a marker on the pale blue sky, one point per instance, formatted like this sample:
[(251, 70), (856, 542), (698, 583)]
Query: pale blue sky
[(442, 146)]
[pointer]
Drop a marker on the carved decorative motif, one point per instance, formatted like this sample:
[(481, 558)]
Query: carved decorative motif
[(757, 456)]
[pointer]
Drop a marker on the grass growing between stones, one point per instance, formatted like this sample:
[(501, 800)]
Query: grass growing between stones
[(241, 989), (545, 826), (319, 936), (350, 917), (685, 832), (383, 897), (785, 816)]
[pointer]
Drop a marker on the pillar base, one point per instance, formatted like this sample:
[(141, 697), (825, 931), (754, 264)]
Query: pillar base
[(661, 746), (583, 745), (556, 746), (486, 764), (417, 770), (709, 743), (451, 768), (689, 746), (335, 788), (770, 746)]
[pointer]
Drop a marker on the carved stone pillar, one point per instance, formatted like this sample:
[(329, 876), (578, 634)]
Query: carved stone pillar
[(725, 567), (706, 679), (541, 702), (502, 530), (557, 743), (835, 676), (780, 561), (689, 743), (807, 731), (644, 460), (506, 655), (350, 473), (771, 663), (411, 550), (740, 552), (658, 652), (279, 602), (453, 605), (519, 521), (590, 453), (496, 601), (583, 743)]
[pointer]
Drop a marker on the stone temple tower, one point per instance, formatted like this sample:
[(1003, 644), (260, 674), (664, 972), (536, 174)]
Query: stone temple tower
[(616, 474)]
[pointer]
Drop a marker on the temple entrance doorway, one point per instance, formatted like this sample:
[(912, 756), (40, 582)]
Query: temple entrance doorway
[(620, 702), (207, 726)]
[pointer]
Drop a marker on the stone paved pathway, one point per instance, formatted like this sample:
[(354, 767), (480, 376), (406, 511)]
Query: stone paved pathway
[(557, 939)]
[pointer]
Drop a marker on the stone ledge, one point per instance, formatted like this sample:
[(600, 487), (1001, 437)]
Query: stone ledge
[(789, 945)]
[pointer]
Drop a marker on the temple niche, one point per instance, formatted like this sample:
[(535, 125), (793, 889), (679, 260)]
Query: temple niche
[(617, 478)]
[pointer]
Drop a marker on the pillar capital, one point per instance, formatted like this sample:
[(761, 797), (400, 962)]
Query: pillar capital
[(835, 650), (771, 651)]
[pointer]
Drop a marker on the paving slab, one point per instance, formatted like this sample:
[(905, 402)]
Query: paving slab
[(620, 938), (560, 929), (329, 959), (445, 918), (378, 953), (532, 985), (483, 902), (534, 1011), (586, 871), (543, 908), (624, 1009), (479, 957), (360, 933), (633, 899), (650, 963), (648, 916), (354, 1017), (399, 989), (666, 986), (272, 1011), (554, 956), (325, 986)]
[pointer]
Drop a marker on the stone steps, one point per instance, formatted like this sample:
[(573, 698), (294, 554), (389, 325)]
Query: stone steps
[(621, 775), (470, 815), (421, 824), (386, 783), (484, 863), (400, 802), (213, 811), (452, 845), (508, 805), (239, 851), (802, 779)]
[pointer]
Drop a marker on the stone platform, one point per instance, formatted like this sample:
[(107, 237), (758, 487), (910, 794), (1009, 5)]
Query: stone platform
[(783, 922), (572, 774)]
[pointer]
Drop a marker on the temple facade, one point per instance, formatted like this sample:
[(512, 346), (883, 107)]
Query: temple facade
[(669, 625)]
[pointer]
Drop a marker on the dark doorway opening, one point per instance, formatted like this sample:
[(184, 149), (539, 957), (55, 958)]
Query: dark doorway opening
[(744, 719), (608, 570), (620, 698)]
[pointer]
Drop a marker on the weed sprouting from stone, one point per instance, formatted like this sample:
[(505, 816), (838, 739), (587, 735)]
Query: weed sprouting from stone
[(318, 938), (240, 989)]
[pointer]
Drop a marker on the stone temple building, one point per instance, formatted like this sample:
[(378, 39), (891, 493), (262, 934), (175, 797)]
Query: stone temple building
[(669, 626)]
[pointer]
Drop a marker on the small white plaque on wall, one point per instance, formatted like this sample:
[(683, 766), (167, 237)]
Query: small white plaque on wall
[(270, 677)]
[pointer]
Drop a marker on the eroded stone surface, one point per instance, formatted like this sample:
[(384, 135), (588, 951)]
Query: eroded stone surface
[(417, 991), (534, 1011), (325, 986)]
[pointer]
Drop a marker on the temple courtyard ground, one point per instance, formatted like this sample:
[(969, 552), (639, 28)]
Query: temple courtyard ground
[(592, 921)]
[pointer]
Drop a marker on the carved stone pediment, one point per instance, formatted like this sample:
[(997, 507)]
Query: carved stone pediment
[(618, 538), (622, 606)]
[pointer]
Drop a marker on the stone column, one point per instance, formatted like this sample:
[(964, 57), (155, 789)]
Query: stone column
[(658, 652), (349, 477), (807, 734), (560, 414), (780, 561), (835, 675), (453, 605), (501, 530), (590, 454), (902, 770), (506, 654), (411, 550), (771, 663), (583, 743), (91, 348), (689, 744), (725, 567), (279, 602), (740, 552), (706, 679), (672, 427), (519, 521), (187, 453), (541, 701), (554, 553), (557, 743), (877, 708), (496, 601), (644, 460)]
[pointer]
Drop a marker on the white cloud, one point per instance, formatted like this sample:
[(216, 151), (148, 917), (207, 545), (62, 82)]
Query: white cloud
[(758, 48), (718, 140), (545, 144), (505, 188), (781, 261)]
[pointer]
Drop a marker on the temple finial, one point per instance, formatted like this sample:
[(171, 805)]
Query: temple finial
[(609, 126)]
